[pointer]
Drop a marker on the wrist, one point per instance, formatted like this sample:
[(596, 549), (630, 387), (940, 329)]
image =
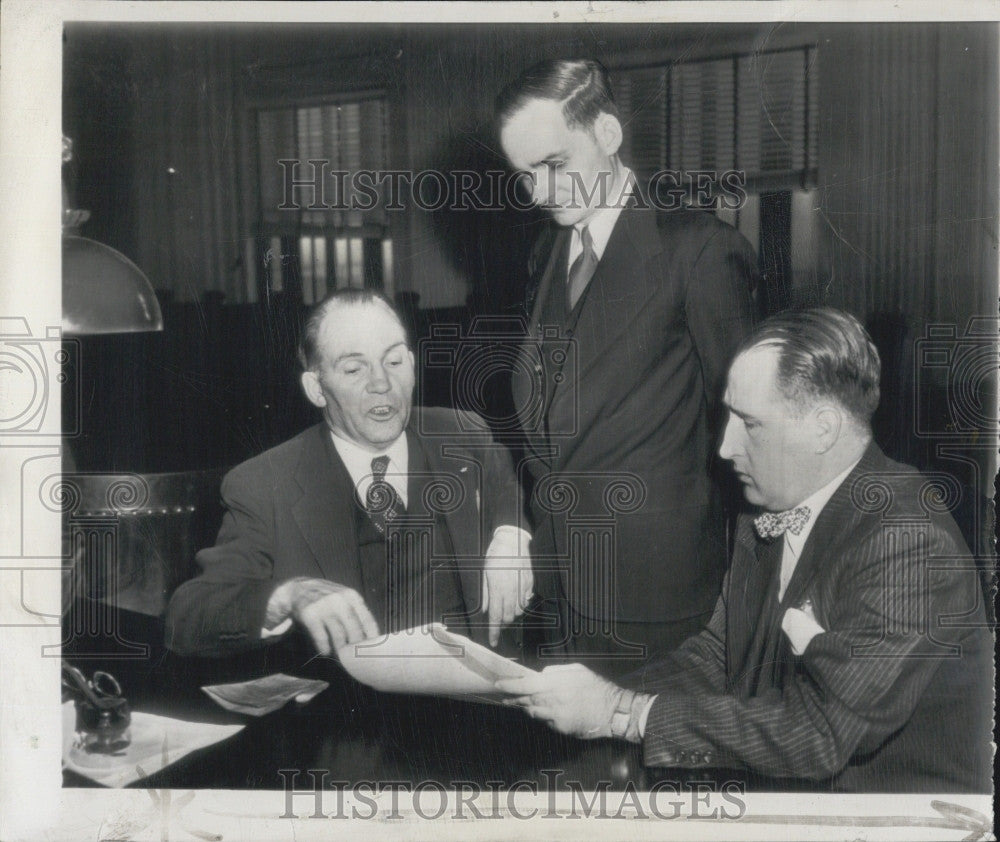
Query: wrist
[(278, 605), (628, 714), (618, 724), (281, 604)]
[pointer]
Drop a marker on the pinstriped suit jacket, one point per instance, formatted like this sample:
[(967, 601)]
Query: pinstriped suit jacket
[(896, 695)]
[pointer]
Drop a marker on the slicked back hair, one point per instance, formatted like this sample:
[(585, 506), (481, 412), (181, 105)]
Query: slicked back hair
[(308, 351), (823, 354), (581, 85)]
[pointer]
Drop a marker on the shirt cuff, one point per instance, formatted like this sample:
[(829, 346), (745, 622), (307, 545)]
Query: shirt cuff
[(644, 715), (278, 611), (278, 630)]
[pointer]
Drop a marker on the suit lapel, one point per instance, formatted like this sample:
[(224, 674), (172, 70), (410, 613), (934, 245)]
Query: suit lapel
[(529, 379), (617, 293), (556, 258), (325, 511), (840, 517), (463, 521), (749, 618)]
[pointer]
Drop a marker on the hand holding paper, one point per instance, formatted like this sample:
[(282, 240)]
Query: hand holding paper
[(332, 614), (570, 697)]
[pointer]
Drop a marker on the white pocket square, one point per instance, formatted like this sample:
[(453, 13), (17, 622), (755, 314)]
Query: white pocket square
[(800, 625)]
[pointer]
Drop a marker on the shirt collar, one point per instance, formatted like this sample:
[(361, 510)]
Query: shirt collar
[(816, 501), (358, 462), (602, 223)]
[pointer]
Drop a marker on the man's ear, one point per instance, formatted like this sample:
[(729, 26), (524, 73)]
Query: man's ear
[(608, 132), (310, 385), (829, 421)]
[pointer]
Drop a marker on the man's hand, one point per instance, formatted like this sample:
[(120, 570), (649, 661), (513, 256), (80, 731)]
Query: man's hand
[(332, 614), (508, 581), (571, 698)]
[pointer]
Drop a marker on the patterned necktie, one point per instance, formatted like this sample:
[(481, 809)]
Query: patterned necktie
[(381, 500), (771, 525), (582, 269)]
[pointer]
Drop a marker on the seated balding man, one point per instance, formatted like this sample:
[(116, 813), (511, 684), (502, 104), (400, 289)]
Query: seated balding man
[(306, 541), (850, 645)]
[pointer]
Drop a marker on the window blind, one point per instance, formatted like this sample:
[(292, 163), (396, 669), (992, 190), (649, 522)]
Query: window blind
[(350, 136), (310, 231), (753, 113), (641, 95)]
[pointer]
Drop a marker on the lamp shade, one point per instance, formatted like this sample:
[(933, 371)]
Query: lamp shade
[(104, 292)]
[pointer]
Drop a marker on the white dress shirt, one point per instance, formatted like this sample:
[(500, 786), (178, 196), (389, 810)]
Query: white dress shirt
[(602, 223), (358, 462), (794, 543)]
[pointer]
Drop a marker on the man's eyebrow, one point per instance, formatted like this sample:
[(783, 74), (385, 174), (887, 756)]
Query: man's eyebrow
[(358, 355), (743, 415), (551, 158)]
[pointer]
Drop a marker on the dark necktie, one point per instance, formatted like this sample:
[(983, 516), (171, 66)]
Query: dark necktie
[(381, 500), (582, 269)]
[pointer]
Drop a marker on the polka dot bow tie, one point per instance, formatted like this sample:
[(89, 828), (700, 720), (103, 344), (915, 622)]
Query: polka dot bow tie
[(770, 525)]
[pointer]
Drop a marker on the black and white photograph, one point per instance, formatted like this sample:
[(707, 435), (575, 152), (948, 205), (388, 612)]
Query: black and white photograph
[(454, 421)]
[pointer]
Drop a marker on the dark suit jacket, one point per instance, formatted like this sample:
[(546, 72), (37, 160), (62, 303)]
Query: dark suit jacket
[(642, 382), (896, 695), (290, 512)]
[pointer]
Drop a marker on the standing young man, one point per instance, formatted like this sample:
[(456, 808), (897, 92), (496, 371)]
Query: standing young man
[(635, 314)]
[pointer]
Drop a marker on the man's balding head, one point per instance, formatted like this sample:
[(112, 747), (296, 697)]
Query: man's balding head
[(359, 369), (307, 350)]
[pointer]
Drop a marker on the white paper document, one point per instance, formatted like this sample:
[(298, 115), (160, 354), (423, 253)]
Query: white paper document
[(263, 695), (157, 741), (429, 660)]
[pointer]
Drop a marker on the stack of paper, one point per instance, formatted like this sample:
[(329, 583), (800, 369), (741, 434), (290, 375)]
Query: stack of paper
[(429, 660)]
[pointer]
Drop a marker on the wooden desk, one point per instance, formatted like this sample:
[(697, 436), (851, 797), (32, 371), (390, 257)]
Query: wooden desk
[(350, 731)]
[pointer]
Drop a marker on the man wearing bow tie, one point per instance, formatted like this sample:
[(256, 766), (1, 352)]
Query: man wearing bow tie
[(850, 646), (383, 517)]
